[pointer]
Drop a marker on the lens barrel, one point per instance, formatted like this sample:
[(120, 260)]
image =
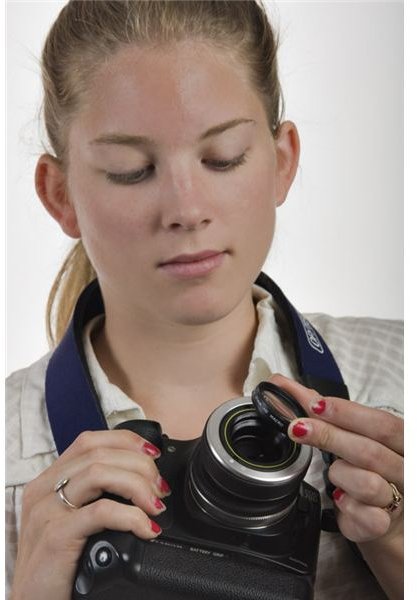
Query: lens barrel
[(243, 472)]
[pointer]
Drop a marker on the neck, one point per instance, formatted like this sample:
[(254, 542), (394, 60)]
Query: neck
[(156, 363)]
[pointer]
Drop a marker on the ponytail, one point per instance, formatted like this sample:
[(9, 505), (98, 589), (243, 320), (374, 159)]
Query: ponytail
[(74, 275)]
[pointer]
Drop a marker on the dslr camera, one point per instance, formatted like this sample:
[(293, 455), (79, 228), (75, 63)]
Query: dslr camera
[(240, 524)]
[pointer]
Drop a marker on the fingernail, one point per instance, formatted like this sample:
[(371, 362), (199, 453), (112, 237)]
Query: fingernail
[(337, 494), (150, 449), (159, 504), (319, 407), (300, 429), (155, 527), (163, 486)]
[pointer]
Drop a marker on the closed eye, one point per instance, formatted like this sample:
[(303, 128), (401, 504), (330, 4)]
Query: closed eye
[(130, 177), (133, 177), (226, 165)]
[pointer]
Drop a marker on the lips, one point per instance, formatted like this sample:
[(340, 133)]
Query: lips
[(192, 266), (190, 258)]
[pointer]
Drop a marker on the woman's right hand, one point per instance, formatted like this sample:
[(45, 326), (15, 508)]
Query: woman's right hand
[(52, 535)]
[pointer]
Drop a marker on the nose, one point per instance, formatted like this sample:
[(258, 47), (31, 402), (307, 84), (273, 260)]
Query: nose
[(185, 206)]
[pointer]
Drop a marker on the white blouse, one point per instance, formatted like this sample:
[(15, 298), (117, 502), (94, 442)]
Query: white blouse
[(369, 353)]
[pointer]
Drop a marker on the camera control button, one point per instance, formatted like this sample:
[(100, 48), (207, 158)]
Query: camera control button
[(103, 556)]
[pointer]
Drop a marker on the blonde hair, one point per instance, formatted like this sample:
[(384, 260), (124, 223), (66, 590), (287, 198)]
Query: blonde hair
[(86, 33)]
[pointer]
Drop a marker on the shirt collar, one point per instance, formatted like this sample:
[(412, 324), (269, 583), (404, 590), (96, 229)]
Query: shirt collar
[(269, 352), (112, 398)]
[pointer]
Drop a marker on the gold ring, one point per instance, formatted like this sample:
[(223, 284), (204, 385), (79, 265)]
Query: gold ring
[(59, 489), (396, 499)]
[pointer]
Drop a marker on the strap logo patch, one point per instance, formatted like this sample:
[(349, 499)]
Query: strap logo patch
[(312, 337)]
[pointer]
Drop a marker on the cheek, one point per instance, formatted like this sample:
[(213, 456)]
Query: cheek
[(111, 225), (257, 206), (256, 218)]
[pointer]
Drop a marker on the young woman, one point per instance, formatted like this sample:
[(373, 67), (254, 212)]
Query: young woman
[(169, 160)]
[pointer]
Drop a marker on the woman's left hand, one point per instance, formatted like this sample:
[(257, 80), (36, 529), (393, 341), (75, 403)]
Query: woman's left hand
[(369, 445)]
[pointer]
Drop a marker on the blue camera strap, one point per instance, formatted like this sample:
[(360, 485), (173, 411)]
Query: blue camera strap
[(72, 402), (316, 365)]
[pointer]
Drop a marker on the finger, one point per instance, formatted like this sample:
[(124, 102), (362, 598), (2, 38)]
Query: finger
[(360, 522), (355, 449), (136, 462), (121, 439), (75, 526), (90, 483), (119, 459), (364, 486), (369, 422), (107, 514)]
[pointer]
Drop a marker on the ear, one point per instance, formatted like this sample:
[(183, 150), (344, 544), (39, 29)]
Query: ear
[(287, 144), (50, 182)]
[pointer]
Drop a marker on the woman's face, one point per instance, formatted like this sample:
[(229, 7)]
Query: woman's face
[(146, 207)]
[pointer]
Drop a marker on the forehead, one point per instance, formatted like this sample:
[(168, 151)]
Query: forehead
[(171, 92)]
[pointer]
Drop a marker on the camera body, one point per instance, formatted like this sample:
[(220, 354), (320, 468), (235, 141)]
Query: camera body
[(240, 523)]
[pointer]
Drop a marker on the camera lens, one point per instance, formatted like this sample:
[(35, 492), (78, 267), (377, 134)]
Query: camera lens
[(251, 442), (245, 472)]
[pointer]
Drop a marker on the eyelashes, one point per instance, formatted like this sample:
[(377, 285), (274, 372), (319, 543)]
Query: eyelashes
[(227, 165), (130, 178), (142, 174)]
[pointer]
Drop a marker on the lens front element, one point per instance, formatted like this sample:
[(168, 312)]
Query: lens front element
[(251, 443)]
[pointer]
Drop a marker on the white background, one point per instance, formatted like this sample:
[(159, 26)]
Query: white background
[(339, 242)]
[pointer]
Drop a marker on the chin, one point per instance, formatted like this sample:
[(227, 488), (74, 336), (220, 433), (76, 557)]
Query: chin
[(200, 315), (203, 308), (199, 319)]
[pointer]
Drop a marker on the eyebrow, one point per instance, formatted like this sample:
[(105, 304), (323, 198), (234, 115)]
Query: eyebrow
[(123, 139)]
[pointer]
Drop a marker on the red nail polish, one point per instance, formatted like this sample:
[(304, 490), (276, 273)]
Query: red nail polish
[(319, 407), (163, 486), (337, 494), (299, 430), (150, 449), (159, 504), (155, 527)]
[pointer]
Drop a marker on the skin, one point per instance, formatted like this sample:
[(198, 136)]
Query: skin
[(201, 330)]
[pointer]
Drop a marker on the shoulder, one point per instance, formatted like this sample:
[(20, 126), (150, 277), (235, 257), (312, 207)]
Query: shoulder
[(369, 353), (29, 441), (33, 376)]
